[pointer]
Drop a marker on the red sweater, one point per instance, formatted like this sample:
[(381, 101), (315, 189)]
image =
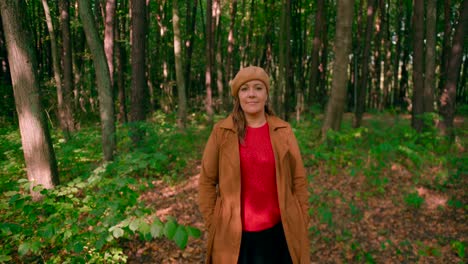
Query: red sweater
[(259, 195)]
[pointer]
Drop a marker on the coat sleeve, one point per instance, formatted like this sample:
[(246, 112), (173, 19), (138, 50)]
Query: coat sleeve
[(209, 178), (300, 185)]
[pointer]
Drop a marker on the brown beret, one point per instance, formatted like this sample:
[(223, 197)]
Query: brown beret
[(248, 74)]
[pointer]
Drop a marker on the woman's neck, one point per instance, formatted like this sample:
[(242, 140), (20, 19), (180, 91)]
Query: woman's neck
[(255, 120)]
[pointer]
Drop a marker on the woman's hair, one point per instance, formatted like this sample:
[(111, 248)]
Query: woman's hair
[(238, 117)]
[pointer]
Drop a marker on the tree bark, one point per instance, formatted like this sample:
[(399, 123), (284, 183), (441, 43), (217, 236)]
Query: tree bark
[(316, 47), (429, 77), (62, 111), (448, 96), (417, 121), (445, 45), (38, 152), (343, 43), (109, 29), (209, 60), (121, 63), (139, 98), (190, 44), (182, 106), (67, 66), (362, 89), (106, 103)]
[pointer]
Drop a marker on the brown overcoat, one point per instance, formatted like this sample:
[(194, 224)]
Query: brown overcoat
[(220, 192)]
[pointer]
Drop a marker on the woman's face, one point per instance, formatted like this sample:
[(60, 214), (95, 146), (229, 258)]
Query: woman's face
[(252, 97)]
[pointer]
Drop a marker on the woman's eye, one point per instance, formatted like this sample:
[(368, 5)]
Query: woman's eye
[(243, 89)]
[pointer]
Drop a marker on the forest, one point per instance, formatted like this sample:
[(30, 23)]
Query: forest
[(106, 106)]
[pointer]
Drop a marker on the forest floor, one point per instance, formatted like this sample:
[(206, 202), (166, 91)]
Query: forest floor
[(379, 228)]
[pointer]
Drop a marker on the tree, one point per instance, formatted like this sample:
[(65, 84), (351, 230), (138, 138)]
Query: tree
[(67, 66), (362, 88), (139, 98), (109, 29), (429, 76), (343, 43), (106, 103), (417, 121), (182, 110), (38, 152), (209, 59), (316, 47), (447, 98)]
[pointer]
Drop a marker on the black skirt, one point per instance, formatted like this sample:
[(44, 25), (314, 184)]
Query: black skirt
[(266, 246)]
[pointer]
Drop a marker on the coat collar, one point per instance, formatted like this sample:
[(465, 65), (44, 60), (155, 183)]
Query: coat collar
[(273, 122)]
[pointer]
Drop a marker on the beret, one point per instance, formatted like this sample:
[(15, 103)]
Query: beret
[(248, 74)]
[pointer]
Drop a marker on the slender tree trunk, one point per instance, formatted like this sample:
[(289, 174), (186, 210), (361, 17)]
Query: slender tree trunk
[(231, 41), (361, 96), (67, 65), (343, 44), (279, 94), (386, 42), (57, 72), (109, 29), (189, 45), (446, 45), (139, 97), (106, 104), (219, 63), (316, 46), (182, 107), (397, 55), (417, 121), (448, 96), (38, 152), (209, 60), (429, 77), (121, 62)]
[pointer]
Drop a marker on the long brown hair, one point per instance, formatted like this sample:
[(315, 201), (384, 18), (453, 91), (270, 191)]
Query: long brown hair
[(238, 117)]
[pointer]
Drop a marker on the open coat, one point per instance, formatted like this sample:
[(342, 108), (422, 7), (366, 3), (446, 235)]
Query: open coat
[(220, 192)]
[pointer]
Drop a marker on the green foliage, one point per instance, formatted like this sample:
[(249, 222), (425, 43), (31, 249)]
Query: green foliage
[(85, 219), (414, 200)]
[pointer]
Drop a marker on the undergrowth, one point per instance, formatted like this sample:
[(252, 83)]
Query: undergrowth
[(97, 204)]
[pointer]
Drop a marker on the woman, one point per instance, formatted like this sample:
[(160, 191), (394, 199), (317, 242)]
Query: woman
[(253, 189)]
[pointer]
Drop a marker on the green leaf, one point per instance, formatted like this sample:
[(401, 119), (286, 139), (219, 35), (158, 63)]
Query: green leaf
[(4, 258), (24, 248), (193, 232), (157, 228), (117, 232), (78, 247), (134, 224), (170, 229), (144, 228), (181, 237)]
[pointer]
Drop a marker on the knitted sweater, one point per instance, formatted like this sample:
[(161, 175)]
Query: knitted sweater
[(259, 195)]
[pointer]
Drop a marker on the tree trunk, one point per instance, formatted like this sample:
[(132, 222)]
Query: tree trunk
[(38, 152), (106, 104), (447, 98), (57, 72), (121, 63), (397, 55), (209, 59), (139, 97), (362, 89), (417, 121), (222, 102), (182, 107), (282, 87), (189, 44), (446, 45), (429, 77), (316, 46), (67, 65), (343, 43), (231, 41), (109, 29)]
